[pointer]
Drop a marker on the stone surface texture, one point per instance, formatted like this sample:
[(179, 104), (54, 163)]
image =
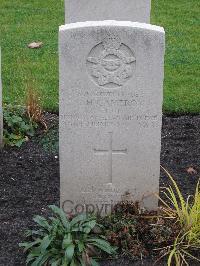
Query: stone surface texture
[(111, 91), (124, 10)]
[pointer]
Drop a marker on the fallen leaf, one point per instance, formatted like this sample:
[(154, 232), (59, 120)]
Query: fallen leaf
[(35, 45), (191, 171)]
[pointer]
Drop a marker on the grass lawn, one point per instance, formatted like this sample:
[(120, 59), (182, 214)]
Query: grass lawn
[(24, 21)]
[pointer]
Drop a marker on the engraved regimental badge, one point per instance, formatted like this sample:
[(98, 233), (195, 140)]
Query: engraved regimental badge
[(111, 63)]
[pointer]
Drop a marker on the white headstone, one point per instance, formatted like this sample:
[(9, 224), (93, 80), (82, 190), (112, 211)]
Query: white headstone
[(125, 10), (1, 107), (111, 90)]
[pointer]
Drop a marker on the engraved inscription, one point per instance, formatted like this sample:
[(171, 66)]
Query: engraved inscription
[(111, 63), (92, 121), (110, 153)]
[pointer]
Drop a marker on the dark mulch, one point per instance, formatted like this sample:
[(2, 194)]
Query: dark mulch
[(29, 181)]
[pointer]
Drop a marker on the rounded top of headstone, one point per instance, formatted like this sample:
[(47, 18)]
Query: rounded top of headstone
[(111, 23)]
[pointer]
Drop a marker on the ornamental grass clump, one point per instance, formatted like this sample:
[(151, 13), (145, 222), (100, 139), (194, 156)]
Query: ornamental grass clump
[(33, 107), (64, 242), (186, 213)]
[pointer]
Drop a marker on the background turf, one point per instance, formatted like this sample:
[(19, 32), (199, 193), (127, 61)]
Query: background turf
[(24, 21)]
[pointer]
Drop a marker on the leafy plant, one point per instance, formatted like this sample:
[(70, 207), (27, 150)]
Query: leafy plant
[(136, 231), (63, 242), (186, 214), (50, 140), (121, 232), (17, 125)]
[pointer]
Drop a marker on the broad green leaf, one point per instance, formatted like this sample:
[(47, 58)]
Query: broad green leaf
[(30, 258), (89, 226), (19, 143), (64, 262), (94, 262), (103, 245), (39, 232), (73, 263), (67, 241), (45, 243), (69, 252), (35, 252), (81, 246), (77, 219), (42, 222), (61, 214), (56, 263), (40, 261), (28, 245), (82, 262)]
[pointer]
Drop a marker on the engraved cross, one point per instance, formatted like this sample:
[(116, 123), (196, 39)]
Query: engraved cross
[(110, 153)]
